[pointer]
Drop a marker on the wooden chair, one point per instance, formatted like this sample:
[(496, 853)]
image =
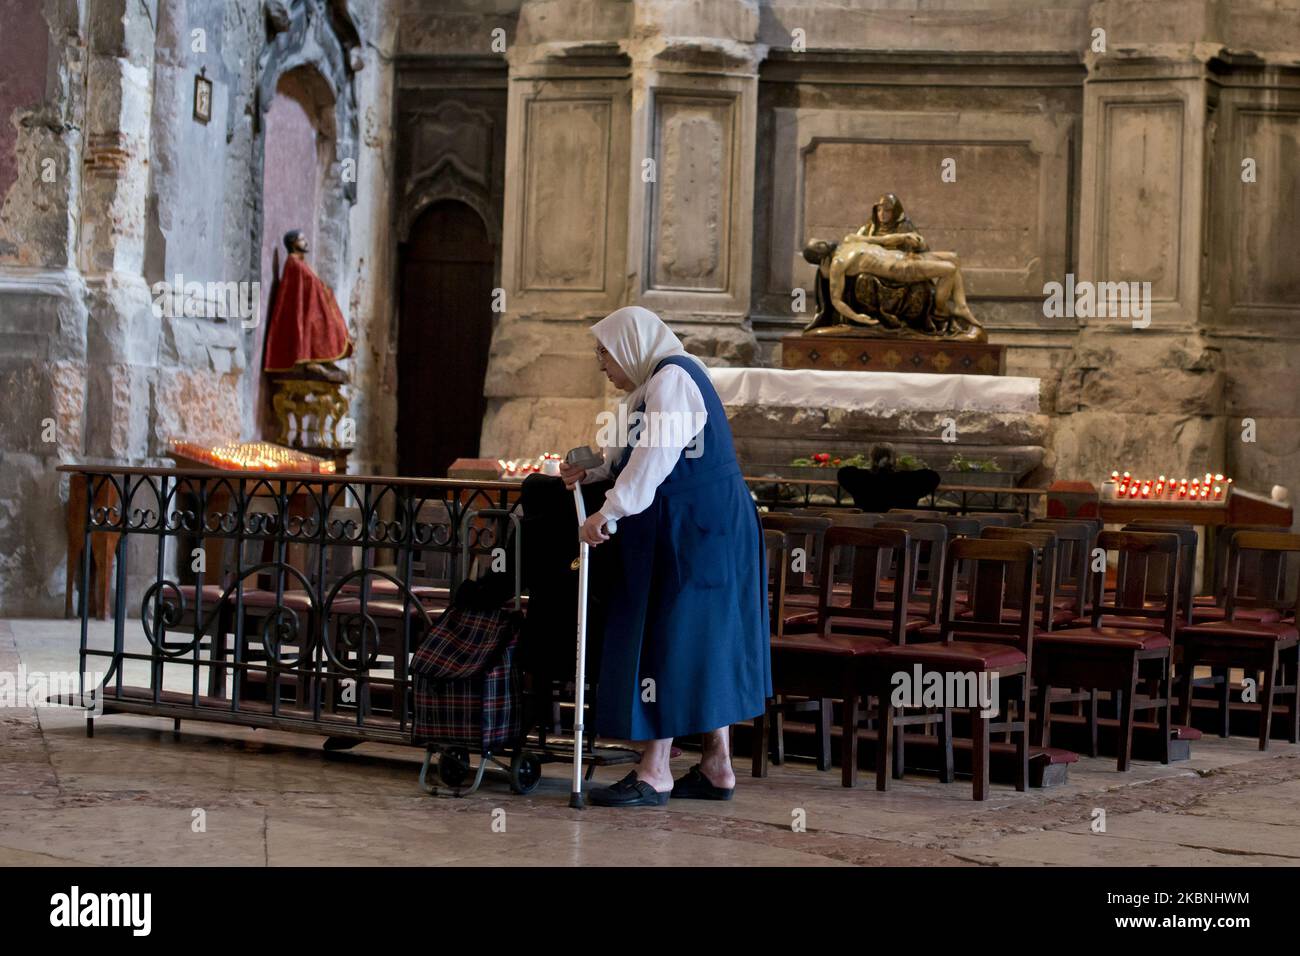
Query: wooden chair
[(852, 519), (1002, 519), (796, 612), (1188, 543), (1270, 649), (958, 527), (930, 544), (1050, 614), (804, 532), (1114, 653), (831, 663), (1075, 541), (987, 644), (1255, 570)]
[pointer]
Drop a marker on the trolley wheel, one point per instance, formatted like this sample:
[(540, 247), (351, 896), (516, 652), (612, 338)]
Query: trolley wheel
[(525, 772), (453, 766)]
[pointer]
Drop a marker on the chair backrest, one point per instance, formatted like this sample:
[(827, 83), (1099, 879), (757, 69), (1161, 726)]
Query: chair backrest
[(805, 532), (774, 544), (436, 563), (1258, 569), (1045, 551), (1002, 519), (256, 550), (1271, 587), (929, 548), (1074, 544), (958, 526), (994, 565), (916, 512), (1146, 578), (873, 552), (855, 519), (1188, 541)]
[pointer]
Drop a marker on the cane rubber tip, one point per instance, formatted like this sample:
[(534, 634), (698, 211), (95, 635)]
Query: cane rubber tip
[(576, 802)]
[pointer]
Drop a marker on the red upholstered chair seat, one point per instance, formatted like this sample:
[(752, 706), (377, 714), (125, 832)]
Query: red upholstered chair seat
[(211, 593), (851, 625), (1285, 633), (807, 620), (1133, 639), (1061, 616), (383, 607), (256, 597), (1204, 615), (845, 645), (960, 655)]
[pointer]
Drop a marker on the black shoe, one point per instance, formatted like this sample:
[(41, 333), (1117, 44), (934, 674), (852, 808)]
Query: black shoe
[(340, 743), (696, 786), (628, 792)]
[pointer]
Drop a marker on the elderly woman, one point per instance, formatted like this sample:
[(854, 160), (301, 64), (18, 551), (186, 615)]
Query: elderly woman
[(686, 642)]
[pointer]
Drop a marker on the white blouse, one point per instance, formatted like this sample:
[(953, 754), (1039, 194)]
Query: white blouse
[(670, 391)]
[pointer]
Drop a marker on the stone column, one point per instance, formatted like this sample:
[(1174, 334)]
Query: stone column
[(122, 338), (691, 201), (564, 239), (1151, 398), (629, 180)]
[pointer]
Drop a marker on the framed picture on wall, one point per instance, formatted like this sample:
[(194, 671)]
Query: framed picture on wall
[(202, 98)]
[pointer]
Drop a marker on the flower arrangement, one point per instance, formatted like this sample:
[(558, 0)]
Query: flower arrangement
[(961, 463), (826, 460)]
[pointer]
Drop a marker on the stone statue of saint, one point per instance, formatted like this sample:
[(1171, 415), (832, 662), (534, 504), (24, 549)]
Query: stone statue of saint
[(306, 334), (884, 280)]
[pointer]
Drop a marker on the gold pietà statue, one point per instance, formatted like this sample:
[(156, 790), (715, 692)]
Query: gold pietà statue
[(884, 280)]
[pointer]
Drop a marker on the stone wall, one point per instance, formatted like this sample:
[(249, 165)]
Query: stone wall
[(109, 186)]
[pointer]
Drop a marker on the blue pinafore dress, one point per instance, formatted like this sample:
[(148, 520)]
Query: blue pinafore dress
[(686, 640)]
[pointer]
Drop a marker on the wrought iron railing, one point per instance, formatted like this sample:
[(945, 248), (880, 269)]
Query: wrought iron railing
[(295, 601), (322, 588)]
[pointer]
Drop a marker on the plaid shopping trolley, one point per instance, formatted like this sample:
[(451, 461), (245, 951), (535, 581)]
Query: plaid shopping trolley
[(467, 694)]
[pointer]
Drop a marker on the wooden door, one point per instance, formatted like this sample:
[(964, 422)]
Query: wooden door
[(445, 330)]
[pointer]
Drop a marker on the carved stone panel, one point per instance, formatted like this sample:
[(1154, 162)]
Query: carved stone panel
[(691, 194), (1264, 274), (1006, 213), (566, 164), (1140, 195), (986, 221)]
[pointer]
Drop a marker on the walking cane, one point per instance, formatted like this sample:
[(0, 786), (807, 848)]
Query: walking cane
[(583, 457)]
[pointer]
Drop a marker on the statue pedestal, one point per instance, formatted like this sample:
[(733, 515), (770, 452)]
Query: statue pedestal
[(299, 401), (864, 353)]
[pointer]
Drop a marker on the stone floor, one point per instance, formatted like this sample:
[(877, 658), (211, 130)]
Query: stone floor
[(133, 795)]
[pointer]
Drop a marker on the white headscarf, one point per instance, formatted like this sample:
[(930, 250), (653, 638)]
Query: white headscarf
[(638, 340)]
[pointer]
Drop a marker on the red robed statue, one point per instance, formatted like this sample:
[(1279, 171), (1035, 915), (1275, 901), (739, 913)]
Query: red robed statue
[(306, 333)]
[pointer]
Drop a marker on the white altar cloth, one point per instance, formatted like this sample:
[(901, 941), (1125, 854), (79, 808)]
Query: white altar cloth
[(875, 391)]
